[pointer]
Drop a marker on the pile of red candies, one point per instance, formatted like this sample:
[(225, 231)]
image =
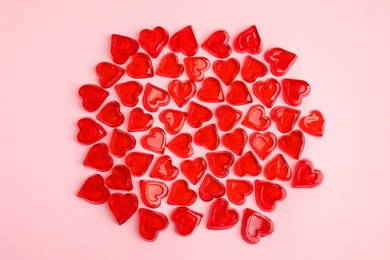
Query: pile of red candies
[(188, 105)]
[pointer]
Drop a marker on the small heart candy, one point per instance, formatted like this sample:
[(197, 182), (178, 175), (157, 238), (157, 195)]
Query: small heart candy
[(285, 118), (98, 158), (169, 66), (268, 194), (256, 119), (186, 220), (196, 67), (123, 206), (263, 144), (181, 146), (294, 90), (163, 169), (238, 190), (220, 163), (211, 91), (138, 163), (292, 143), (267, 91), (121, 142), (218, 44), (253, 69), (151, 223), (152, 192), (227, 117), (277, 168), (93, 190), (92, 96), (140, 66), (111, 114), (181, 92), (139, 121), (153, 41), (198, 114), (238, 94), (184, 41), (181, 195), (280, 60), (305, 176), (90, 131), (207, 137), (248, 41), (154, 98), (122, 48), (108, 74), (313, 124), (221, 215), (120, 178), (155, 141), (211, 188), (226, 70), (193, 170), (129, 92), (255, 226), (247, 164), (173, 120), (235, 141)]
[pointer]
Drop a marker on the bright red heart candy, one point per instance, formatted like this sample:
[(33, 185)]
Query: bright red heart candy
[(247, 164), (138, 163), (123, 206), (207, 137), (267, 91), (181, 146), (227, 117), (139, 121), (218, 44), (263, 144), (280, 60), (129, 92), (305, 176), (98, 158), (211, 91), (285, 118), (253, 69), (256, 119), (292, 143), (186, 220), (152, 192), (238, 94), (248, 41), (196, 67), (220, 163), (92, 96), (235, 141), (181, 195), (90, 131), (294, 90), (313, 123), (277, 168), (268, 194), (140, 66), (181, 92), (108, 74), (154, 98), (255, 226), (170, 66), (122, 48), (238, 190), (173, 120), (93, 190), (155, 141), (184, 41), (120, 179), (163, 169), (121, 142), (111, 114), (198, 114), (221, 215), (226, 70), (153, 41), (150, 223), (193, 170), (211, 188)]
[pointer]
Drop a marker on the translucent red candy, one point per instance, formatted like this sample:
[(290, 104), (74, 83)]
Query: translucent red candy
[(238, 190), (186, 220), (294, 90), (173, 120), (227, 117), (154, 98), (111, 114), (248, 41), (207, 137), (92, 96), (140, 66), (129, 92), (235, 141), (211, 188), (239, 94), (292, 143), (152, 192), (108, 74), (218, 44), (123, 206), (120, 178), (279, 60), (211, 91), (139, 121), (155, 141), (196, 67), (181, 145), (198, 114), (253, 69), (163, 169), (220, 163), (267, 91), (98, 158), (263, 144), (181, 195), (93, 190), (169, 66), (285, 118), (313, 124), (121, 142), (181, 92), (305, 176), (226, 70), (194, 170), (277, 168), (255, 226), (184, 41), (221, 215), (151, 223), (122, 48), (90, 131), (256, 118), (268, 194), (247, 164), (153, 41), (138, 162)]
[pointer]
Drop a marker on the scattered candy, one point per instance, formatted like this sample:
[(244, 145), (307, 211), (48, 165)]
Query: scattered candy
[(139, 121), (207, 137), (129, 92), (123, 206), (140, 66), (305, 176), (173, 120), (108, 74), (218, 44), (193, 170), (268, 194), (92, 96), (255, 226), (151, 223), (122, 48), (238, 190), (211, 188), (186, 220), (280, 60), (120, 179), (221, 215), (90, 131), (138, 163), (153, 41), (196, 67), (93, 190), (111, 114), (152, 192), (181, 92), (181, 195), (313, 124), (220, 163), (198, 114)]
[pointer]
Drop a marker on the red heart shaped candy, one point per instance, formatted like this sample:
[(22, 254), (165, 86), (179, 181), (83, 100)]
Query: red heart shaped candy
[(238, 94), (139, 121), (138, 163), (207, 137), (120, 179), (211, 188), (305, 176), (277, 168), (169, 66), (108, 74), (279, 60), (121, 142), (129, 92), (294, 90), (313, 123), (247, 164), (181, 146), (292, 143), (90, 131), (173, 120), (111, 114), (140, 66), (253, 69), (181, 195), (267, 91), (163, 169), (218, 44), (248, 41), (263, 144), (93, 190), (196, 67), (256, 119), (92, 96), (220, 163), (238, 190), (226, 70), (227, 117), (155, 141), (285, 118), (268, 194), (181, 92), (123, 206), (186, 220), (184, 41), (221, 215), (198, 114), (255, 226), (152, 192), (154, 98), (122, 48), (150, 223), (98, 158), (235, 141), (211, 91), (153, 41), (193, 170)]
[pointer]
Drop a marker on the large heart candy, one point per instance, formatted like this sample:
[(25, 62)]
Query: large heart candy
[(277, 168), (247, 164), (207, 137), (198, 114), (138, 163), (181, 146), (120, 179), (92, 96), (90, 131), (253, 69), (123, 206), (108, 74), (139, 121), (313, 123), (248, 41), (268, 194), (111, 114), (221, 215), (263, 144), (227, 117), (305, 176), (93, 190), (169, 66), (235, 141), (256, 119), (154, 98), (152, 192), (181, 195), (220, 163), (196, 67), (267, 91), (173, 120), (294, 90), (255, 226), (151, 223), (218, 44), (181, 92), (292, 143), (211, 91), (184, 41), (129, 92), (226, 70), (98, 158), (122, 48), (194, 170), (155, 141), (238, 94), (186, 220), (121, 142), (238, 190), (163, 169), (285, 118), (211, 188), (153, 41), (140, 66), (279, 60)]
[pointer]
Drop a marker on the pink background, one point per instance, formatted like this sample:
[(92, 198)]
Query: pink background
[(48, 50)]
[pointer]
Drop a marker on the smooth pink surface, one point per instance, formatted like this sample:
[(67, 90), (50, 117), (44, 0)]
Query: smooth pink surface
[(49, 49)]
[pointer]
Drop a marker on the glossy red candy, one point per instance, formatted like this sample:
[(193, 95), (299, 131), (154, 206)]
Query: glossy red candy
[(256, 119), (305, 176), (122, 48), (235, 141), (93, 190), (263, 144), (267, 91), (123, 206), (238, 190), (129, 92), (268, 194), (111, 114), (163, 169), (226, 70), (154, 98), (253, 69), (218, 44), (140, 66), (211, 188), (285, 118), (313, 124), (294, 90), (221, 215), (227, 117), (186, 220), (255, 226), (108, 74), (151, 223), (181, 195), (248, 41), (279, 60), (121, 142), (198, 114), (211, 91), (220, 163), (90, 131), (170, 66), (152, 192), (92, 97), (193, 170), (292, 143), (120, 178), (155, 141), (247, 164), (238, 94), (153, 41), (181, 146), (98, 158), (181, 92), (139, 121), (138, 163), (184, 41), (196, 67), (277, 168), (207, 137), (173, 120)]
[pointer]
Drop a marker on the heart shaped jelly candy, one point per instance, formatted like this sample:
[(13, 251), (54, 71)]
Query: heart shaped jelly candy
[(211, 91), (138, 163), (268, 194), (193, 170), (139, 121), (169, 66), (155, 141), (220, 163), (92, 96), (277, 168), (207, 137), (120, 179), (154, 98), (247, 164), (248, 41), (90, 131), (196, 67), (151, 223), (121, 142), (93, 190), (186, 220), (153, 41), (227, 117), (221, 215), (235, 141), (181, 195), (238, 94), (305, 176), (256, 118), (181, 146), (294, 90), (292, 143), (111, 114), (108, 74), (226, 70), (152, 192), (198, 114), (140, 66), (285, 118), (255, 226), (263, 144), (218, 44), (122, 48), (129, 92), (313, 123), (211, 188), (279, 60), (98, 158), (184, 41), (163, 169), (267, 91), (123, 206), (253, 69), (238, 190), (181, 92), (173, 120)]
